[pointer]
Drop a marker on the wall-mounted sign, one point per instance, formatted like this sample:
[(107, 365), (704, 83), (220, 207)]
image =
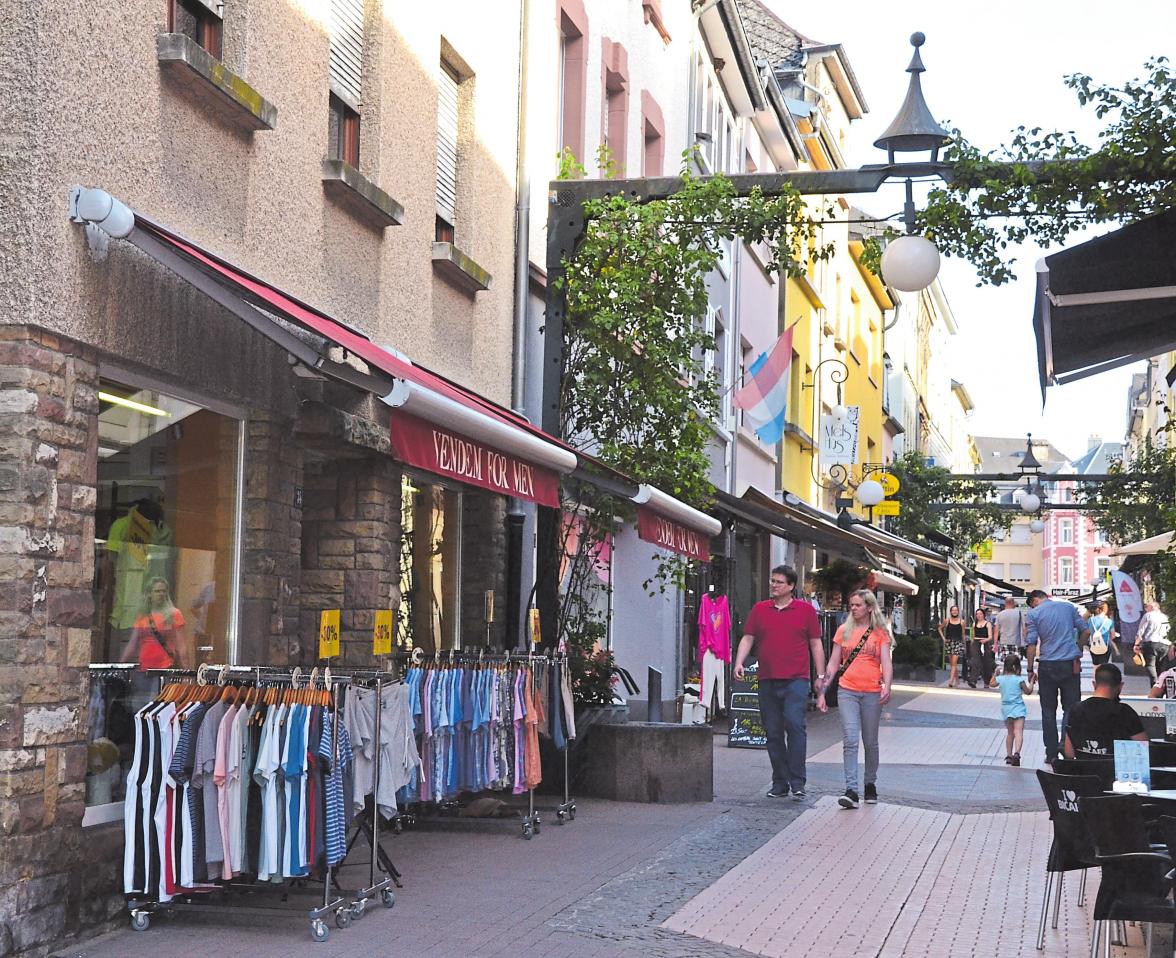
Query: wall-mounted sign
[(668, 534), (888, 507), (984, 550), (382, 633), (328, 634), (888, 481), (839, 438)]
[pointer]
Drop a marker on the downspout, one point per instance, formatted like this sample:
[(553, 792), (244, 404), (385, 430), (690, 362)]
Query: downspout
[(522, 222)]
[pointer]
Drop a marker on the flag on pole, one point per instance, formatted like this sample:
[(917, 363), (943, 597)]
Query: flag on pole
[(764, 397)]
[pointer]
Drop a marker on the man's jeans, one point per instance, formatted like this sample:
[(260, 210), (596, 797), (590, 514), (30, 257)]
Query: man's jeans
[(782, 707), (1054, 677), (861, 712)]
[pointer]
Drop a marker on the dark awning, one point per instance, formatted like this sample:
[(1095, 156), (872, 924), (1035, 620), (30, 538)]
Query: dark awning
[(1107, 302), (999, 583)]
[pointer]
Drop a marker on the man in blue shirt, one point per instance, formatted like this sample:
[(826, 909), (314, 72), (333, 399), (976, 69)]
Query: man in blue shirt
[(1053, 631)]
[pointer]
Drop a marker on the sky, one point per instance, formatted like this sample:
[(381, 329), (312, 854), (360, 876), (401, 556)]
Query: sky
[(989, 70)]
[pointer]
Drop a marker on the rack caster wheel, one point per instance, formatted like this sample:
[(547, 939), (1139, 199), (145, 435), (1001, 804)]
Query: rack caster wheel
[(528, 830), (560, 815), (572, 813), (140, 920), (357, 909), (537, 824), (387, 899), (319, 930)]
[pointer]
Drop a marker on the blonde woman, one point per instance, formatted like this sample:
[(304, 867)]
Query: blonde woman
[(157, 634), (863, 644)]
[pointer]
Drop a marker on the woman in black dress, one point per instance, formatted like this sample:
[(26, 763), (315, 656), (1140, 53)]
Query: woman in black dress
[(982, 655), (951, 632)]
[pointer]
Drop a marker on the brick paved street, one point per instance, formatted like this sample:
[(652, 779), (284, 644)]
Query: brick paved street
[(949, 864)]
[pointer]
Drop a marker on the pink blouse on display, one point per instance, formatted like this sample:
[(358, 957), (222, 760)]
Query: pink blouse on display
[(714, 627)]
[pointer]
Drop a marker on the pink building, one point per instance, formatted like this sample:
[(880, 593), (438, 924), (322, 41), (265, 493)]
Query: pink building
[(1075, 552)]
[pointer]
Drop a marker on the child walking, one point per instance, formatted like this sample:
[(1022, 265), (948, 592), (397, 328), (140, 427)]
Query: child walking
[(1012, 706)]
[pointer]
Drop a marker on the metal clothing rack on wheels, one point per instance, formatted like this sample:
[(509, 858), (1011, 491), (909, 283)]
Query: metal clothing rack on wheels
[(530, 823), (345, 907)]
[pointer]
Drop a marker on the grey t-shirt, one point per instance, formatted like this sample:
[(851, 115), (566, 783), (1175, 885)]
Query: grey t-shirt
[(1008, 621), (202, 778)]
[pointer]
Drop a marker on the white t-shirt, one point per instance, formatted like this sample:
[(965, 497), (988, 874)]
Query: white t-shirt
[(1167, 682)]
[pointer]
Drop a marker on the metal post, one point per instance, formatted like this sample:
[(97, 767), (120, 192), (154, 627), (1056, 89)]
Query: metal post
[(376, 785), (654, 692)]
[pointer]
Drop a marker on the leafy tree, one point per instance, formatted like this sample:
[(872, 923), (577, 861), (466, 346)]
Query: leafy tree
[(1045, 185)]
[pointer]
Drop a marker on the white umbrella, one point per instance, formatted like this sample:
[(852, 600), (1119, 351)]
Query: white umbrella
[(1146, 547)]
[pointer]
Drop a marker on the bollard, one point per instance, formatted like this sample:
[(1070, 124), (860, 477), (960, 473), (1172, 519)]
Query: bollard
[(653, 688)]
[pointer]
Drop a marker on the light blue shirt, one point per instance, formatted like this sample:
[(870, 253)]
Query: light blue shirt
[(1051, 628)]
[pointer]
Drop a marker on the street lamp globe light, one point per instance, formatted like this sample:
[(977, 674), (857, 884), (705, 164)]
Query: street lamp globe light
[(1037, 526), (870, 493), (910, 263), (1030, 503)]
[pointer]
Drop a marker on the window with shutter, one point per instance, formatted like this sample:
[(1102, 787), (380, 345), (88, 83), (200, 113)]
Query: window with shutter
[(346, 56), (447, 125)]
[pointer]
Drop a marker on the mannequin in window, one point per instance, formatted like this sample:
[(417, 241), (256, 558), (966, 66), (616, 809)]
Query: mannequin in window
[(157, 635)]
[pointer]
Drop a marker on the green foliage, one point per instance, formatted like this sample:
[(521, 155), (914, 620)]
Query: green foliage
[(590, 665), (920, 485), (1045, 185), (840, 577), (635, 390), (1140, 502), (917, 650)]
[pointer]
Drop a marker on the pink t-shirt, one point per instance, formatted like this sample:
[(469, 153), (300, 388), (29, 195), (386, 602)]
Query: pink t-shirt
[(714, 627)]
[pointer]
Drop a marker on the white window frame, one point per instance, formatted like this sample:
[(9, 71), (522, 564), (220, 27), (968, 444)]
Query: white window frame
[(1066, 570), (1066, 531)]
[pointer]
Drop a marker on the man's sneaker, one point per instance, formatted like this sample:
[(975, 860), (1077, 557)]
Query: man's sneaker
[(849, 799), (871, 795), (798, 794), (772, 793)]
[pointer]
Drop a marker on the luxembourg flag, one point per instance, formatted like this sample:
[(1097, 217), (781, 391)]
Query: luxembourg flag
[(764, 398)]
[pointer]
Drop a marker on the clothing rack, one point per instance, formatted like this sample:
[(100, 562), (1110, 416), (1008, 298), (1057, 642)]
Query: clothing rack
[(343, 907), (529, 823)]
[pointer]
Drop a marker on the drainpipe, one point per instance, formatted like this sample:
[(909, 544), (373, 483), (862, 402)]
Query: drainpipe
[(522, 222)]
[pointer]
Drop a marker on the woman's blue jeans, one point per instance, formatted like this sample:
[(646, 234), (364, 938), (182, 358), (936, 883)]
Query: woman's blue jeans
[(861, 712)]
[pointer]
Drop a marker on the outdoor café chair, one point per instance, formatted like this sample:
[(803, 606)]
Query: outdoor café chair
[(1135, 883), (1161, 752), (1071, 848), (1103, 768)]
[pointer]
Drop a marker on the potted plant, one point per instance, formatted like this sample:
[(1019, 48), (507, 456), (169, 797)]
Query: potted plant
[(839, 578)]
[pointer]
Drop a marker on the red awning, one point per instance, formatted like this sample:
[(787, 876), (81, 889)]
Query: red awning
[(671, 524), (439, 428)]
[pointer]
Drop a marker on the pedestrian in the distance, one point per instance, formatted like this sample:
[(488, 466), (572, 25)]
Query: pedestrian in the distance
[(1012, 707), (863, 644), (982, 654), (951, 633), (1102, 635)]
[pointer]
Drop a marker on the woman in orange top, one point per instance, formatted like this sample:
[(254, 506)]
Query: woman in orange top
[(155, 638), (863, 641)]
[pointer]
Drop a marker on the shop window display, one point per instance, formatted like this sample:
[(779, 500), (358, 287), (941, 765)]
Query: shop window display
[(430, 582), (164, 557)]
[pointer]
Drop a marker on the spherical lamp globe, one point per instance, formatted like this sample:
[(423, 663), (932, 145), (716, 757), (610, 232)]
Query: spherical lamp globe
[(839, 413), (1037, 526), (910, 263), (870, 493), (1030, 503)]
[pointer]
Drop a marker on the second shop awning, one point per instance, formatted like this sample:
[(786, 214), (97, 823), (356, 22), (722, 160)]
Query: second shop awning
[(894, 583), (671, 524), (1147, 547)]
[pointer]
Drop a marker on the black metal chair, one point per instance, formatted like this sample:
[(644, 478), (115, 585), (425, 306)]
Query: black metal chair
[(1102, 768), (1161, 752), (1135, 884), (1071, 849)]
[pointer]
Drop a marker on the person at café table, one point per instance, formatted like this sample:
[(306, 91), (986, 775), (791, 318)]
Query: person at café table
[(1097, 722)]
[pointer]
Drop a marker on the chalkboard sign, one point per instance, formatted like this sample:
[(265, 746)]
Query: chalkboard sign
[(746, 729)]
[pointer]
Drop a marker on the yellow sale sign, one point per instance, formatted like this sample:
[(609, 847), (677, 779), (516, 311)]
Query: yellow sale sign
[(382, 633), (888, 507), (328, 633)]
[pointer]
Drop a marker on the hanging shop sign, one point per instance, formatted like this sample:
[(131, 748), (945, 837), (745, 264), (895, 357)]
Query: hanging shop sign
[(667, 534), (888, 507), (984, 550), (839, 438), (888, 481), (446, 453)]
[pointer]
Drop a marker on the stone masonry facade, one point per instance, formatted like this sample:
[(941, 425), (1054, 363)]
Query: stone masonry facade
[(48, 455)]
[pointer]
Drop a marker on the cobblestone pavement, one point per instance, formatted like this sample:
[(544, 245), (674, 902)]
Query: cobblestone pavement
[(610, 883)]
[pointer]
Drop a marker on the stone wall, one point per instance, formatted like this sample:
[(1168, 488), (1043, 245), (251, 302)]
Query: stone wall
[(351, 527), (48, 466)]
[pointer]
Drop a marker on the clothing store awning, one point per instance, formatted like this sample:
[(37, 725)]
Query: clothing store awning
[(1147, 547), (898, 545), (893, 583), (999, 583), (671, 524), (436, 424), (802, 525), (1107, 302)]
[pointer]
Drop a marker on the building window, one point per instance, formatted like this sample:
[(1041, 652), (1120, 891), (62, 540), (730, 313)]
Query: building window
[(994, 569), (430, 582), (343, 135), (653, 129), (573, 76), (616, 104), (448, 125), (713, 123), (165, 557), (199, 22), (1021, 534), (1066, 570), (1020, 571), (1066, 531)]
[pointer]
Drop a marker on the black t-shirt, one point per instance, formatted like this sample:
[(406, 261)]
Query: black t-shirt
[(1095, 723)]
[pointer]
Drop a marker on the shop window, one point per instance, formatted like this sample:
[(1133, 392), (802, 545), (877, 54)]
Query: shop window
[(165, 557), (200, 22), (430, 581)]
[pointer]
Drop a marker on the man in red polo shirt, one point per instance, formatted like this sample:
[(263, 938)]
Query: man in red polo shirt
[(784, 632)]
